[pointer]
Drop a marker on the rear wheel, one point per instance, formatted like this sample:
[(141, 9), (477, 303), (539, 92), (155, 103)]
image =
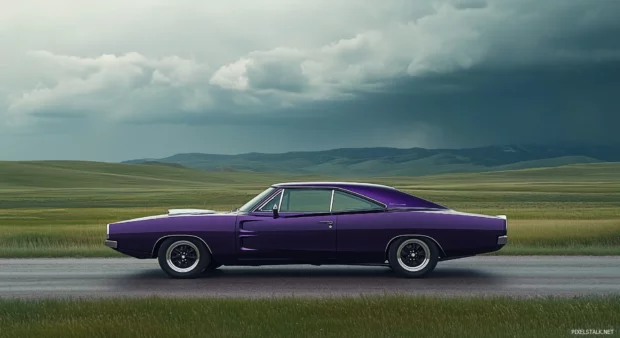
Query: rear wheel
[(183, 257), (413, 257)]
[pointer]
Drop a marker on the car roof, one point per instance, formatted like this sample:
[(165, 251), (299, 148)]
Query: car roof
[(343, 185), (389, 196)]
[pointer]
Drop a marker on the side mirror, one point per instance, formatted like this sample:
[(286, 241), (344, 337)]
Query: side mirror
[(275, 211)]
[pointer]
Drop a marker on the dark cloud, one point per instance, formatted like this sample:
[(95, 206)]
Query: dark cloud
[(566, 103), (467, 4), (277, 77), (546, 105), (462, 73)]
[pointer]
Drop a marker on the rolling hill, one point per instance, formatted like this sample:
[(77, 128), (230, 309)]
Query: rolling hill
[(84, 175), (360, 162)]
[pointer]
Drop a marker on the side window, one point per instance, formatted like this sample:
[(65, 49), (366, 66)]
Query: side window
[(348, 202), (306, 200), (269, 205)]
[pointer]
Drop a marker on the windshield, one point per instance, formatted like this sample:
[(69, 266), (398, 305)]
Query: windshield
[(252, 203)]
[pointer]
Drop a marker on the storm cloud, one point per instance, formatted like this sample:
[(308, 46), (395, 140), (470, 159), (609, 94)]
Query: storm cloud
[(318, 75)]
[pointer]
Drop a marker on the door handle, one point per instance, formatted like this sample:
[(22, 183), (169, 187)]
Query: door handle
[(330, 223)]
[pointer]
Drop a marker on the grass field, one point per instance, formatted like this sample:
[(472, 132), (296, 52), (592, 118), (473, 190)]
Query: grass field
[(55, 209), (352, 317)]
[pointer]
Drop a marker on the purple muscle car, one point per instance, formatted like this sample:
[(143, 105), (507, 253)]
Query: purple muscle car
[(311, 223)]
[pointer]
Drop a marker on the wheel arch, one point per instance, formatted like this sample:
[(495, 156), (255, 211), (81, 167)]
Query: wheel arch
[(442, 253), (161, 240)]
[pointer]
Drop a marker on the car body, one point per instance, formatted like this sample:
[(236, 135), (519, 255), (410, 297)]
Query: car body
[(312, 223)]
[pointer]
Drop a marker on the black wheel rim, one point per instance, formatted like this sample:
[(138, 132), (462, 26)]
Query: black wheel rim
[(413, 254), (183, 256)]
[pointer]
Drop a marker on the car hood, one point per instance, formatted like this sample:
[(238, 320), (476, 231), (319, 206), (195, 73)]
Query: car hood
[(178, 213), (174, 212)]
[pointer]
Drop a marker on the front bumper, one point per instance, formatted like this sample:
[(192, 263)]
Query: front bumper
[(502, 240), (111, 244)]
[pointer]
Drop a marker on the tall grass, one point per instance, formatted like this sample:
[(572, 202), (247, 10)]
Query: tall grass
[(80, 232), (55, 209), (353, 317)]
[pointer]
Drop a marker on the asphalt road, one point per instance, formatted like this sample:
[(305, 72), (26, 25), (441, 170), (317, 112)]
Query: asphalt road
[(477, 276)]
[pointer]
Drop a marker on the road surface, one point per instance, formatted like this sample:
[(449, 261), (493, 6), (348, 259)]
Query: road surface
[(476, 276)]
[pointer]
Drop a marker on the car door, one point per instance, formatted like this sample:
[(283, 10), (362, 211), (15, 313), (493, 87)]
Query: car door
[(304, 229), (363, 227)]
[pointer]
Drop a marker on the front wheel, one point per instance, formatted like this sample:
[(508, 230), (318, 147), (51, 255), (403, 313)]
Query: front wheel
[(183, 257), (413, 257)]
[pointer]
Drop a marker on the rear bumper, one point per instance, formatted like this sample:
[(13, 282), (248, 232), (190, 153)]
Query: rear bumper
[(111, 244), (502, 240)]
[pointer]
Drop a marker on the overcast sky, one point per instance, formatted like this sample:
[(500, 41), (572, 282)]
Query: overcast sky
[(116, 79)]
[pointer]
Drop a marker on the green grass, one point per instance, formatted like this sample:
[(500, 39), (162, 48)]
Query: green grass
[(79, 232), (339, 317), (60, 208)]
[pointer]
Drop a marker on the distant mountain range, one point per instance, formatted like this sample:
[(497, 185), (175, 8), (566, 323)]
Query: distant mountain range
[(395, 161)]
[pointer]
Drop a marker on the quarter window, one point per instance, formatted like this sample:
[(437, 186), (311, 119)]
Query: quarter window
[(348, 202), (306, 200), (269, 205)]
